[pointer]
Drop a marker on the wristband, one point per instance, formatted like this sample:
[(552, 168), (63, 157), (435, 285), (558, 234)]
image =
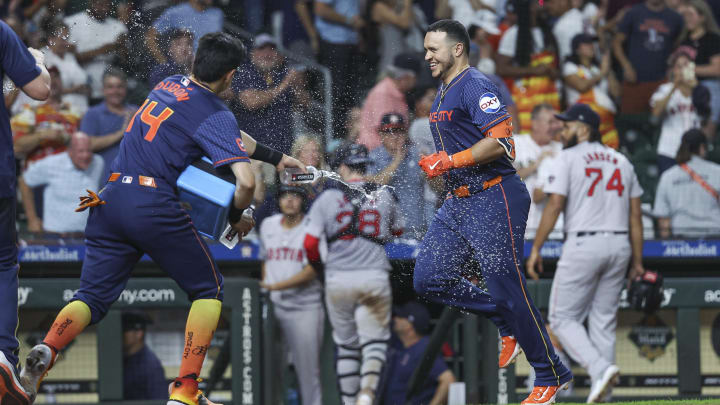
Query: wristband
[(463, 159), (266, 154), (236, 213)]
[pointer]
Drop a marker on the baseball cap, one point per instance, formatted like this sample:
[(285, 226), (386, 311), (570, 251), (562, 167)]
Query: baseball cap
[(134, 320), (351, 154), (264, 39), (485, 20), (583, 113), (416, 313), (582, 38), (179, 33), (683, 50), (694, 138), (407, 61), (391, 122)]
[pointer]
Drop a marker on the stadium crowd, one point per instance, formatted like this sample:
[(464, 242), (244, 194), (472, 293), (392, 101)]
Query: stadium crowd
[(650, 69)]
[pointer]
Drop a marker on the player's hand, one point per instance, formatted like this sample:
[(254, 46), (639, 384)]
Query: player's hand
[(288, 161), (534, 262), (244, 225), (636, 271), (436, 164)]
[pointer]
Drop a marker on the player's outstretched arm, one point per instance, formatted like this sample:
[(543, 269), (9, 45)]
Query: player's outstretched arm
[(265, 154), (555, 205)]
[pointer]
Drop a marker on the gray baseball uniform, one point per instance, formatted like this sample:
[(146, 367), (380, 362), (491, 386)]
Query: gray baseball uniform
[(299, 311), (357, 287), (598, 183)]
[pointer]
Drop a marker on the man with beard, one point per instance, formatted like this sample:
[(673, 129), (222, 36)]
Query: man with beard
[(483, 219), (179, 56), (597, 190)]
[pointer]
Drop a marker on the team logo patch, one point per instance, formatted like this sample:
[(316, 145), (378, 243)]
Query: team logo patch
[(127, 179), (489, 103)]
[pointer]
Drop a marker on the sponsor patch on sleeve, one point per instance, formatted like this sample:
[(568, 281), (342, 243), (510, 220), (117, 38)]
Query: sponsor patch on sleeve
[(489, 103)]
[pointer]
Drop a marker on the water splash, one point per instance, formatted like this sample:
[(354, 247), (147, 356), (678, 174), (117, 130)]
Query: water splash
[(372, 196)]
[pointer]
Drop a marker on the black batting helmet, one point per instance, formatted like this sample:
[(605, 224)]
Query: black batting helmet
[(285, 188), (646, 292)]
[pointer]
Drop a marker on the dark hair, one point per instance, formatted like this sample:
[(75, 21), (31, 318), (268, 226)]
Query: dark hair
[(217, 54), (690, 146), (595, 135), (357, 167), (455, 32)]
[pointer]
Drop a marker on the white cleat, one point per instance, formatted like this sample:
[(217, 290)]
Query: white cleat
[(38, 362), (610, 377)]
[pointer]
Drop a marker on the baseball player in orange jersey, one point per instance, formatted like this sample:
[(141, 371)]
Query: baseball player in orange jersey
[(485, 214), (598, 191)]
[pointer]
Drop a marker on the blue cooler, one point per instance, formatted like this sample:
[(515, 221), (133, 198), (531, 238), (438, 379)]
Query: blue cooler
[(206, 194)]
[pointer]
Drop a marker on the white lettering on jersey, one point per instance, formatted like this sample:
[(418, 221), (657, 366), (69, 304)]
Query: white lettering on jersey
[(598, 184)]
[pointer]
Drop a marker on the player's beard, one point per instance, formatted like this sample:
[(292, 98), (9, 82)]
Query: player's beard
[(571, 142), (445, 67)]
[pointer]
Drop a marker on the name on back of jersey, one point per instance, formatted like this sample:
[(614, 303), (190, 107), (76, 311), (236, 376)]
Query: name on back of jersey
[(600, 157)]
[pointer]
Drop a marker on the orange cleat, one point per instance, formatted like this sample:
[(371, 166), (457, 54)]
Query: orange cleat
[(544, 395), (184, 390), (510, 350), (12, 392)]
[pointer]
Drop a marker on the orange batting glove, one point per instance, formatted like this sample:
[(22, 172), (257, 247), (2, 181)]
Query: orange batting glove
[(436, 164)]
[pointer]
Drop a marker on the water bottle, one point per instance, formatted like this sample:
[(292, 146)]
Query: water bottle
[(295, 175)]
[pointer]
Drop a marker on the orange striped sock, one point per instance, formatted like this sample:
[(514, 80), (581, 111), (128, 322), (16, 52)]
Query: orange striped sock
[(201, 324), (71, 320)]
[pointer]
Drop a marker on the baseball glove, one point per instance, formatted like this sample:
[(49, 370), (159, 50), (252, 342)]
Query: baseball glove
[(646, 292)]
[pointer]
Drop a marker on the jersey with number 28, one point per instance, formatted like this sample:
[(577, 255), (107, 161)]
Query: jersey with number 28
[(598, 183), (179, 122), (332, 213)]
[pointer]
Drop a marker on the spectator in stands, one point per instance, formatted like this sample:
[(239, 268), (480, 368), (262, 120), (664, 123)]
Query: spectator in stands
[(45, 13), (299, 33), (44, 130), (266, 91), (673, 104), (338, 23), (526, 56), (593, 83), (480, 28), (568, 23), (143, 374), (65, 176), (74, 78), (196, 16), (388, 96), (411, 322), (394, 163), (422, 138), (353, 125), (395, 20), (687, 201), (702, 34), (644, 41), (105, 123), (97, 36), (535, 150), (179, 56)]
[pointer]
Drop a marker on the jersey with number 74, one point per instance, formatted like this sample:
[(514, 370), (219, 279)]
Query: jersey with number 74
[(180, 121), (598, 183)]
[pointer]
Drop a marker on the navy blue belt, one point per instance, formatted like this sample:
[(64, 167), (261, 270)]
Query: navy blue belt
[(591, 233)]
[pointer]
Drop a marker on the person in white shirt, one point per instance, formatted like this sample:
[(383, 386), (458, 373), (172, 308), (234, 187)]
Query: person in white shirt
[(569, 23), (96, 37), (687, 201), (295, 291), (673, 104), (533, 152), (598, 191), (74, 77), (66, 175)]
